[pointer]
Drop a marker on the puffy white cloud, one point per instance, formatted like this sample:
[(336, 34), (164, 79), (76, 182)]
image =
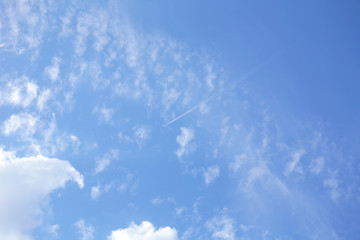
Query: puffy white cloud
[(86, 231), (24, 184), (144, 231), (43, 136), (211, 173), (18, 92), (24, 124), (183, 140), (221, 227)]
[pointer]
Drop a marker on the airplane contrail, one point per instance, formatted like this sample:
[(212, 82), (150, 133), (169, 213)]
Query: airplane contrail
[(195, 107), (221, 91)]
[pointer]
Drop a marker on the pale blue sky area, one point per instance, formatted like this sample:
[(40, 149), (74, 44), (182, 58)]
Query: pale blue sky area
[(175, 120)]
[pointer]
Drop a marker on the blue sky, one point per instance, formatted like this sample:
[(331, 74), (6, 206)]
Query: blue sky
[(175, 120)]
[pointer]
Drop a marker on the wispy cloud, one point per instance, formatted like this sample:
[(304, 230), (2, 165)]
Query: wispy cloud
[(317, 165), (43, 99), (54, 230), (103, 162), (105, 114), (222, 227), (291, 166), (239, 161), (53, 70), (141, 134), (98, 190), (211, 173), (86, 231), (183, 140), (333, 184), (25, 24)]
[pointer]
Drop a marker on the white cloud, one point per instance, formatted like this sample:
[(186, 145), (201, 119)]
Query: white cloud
[(53, 70), (222, 227), (121, 89), (238, 162), (104, 113), (141, 134), (246, 228), (124, 138), (144, 231), (210, 76), (95, 192), (24, 124), (86, 231), (54, 141), (25, 23), (95, 25), (211, 174), (101, 164), (84, 22), (170, 96), (105, 161), (188, 234), (53, 230), (43, 98), (132, 48), (262, 175), (40, 136), (180, 210), (157, 201), (204, 107), (317, 165), (256, 173), (128, 184), (333, 184), (66, 21), (291, 166), (18, 92), (24, 185), (183, 140)]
